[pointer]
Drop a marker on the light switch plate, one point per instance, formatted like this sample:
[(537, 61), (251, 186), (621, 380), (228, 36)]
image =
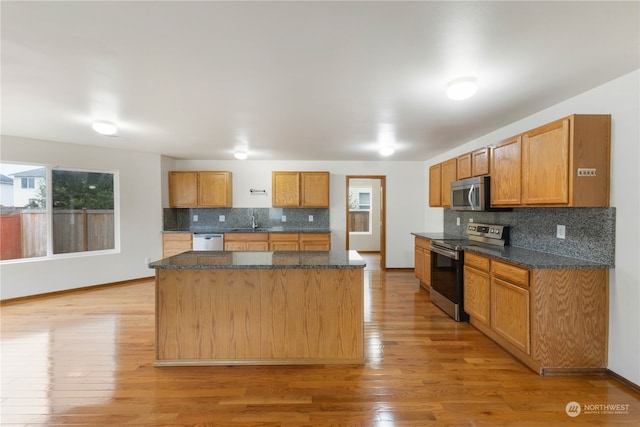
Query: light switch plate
[(221, 218), (310, 218), (195, 218), (284, 218)]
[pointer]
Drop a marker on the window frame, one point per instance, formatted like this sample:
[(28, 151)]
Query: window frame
[(50, 255)]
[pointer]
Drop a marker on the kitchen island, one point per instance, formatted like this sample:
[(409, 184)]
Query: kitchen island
[(259, 308)]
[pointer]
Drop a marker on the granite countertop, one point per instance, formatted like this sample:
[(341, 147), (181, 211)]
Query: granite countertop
[(262, 260), (521, 256), (250, 230)]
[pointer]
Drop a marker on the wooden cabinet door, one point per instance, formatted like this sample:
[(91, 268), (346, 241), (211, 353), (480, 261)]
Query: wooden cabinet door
[(418, 257), (449, 175), (477, 294), (314, 189), (464, 166), (435, 186), (545, 164), (506, 174), (235, 246), (426, 261), (176, 243), (257, 246), (510, 313), (183, 189), (285, 189), (214, 189), (480, 162)]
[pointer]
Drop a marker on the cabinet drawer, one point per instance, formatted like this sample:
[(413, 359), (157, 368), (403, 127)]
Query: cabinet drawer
[(315, 237), (177, 237), (516, 275), (476, 261), (423, 243), (246, 237), (283, 237)]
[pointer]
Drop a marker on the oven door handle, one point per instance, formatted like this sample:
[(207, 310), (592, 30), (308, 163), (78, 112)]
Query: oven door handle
[(445, 252)]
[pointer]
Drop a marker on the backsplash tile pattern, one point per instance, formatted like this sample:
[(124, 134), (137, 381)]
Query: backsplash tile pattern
[(590, 232), (209, 218)]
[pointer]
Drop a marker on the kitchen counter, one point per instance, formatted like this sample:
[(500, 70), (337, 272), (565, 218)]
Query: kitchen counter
[(521, 256), (262, 260), (259, 308)]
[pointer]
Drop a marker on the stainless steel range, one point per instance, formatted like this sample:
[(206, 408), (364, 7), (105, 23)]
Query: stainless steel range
[(447, 265)]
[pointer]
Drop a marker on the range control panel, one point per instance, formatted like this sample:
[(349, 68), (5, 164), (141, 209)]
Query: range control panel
[(498, 232)]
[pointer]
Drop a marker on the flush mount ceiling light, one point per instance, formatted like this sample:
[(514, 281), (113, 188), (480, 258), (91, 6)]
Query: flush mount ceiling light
[(387, 150), (462, 88), (240, 155), (105, 128)]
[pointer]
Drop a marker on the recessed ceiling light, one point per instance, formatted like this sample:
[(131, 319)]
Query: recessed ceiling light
[(105, 128), (240, 155), (462, 88)]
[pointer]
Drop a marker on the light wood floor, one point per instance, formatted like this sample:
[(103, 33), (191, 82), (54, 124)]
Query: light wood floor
[(86, 358)]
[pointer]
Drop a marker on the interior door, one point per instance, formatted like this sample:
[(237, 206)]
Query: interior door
[(365, 214)]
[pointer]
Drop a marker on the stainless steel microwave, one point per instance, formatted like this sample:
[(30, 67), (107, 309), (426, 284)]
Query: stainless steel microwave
[(471, 194)]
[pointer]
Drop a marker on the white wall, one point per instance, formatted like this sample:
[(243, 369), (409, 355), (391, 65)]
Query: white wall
[(406, 195), (140, 219), (621, 99)]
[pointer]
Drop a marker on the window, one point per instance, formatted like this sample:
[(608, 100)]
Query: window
[(360, 210), (28, 182), (79, 218)]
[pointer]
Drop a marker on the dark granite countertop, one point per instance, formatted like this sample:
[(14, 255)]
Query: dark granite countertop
[(521, 256), (262, 260), (250, 230)]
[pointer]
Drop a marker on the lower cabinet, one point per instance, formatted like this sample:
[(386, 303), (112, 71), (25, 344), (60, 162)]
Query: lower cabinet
[(422, 261), (277, 241), (246, 241), (176, 243), (553, 320), (477, 295)]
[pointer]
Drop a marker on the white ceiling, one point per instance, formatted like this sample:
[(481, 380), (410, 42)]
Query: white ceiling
[(299, 80)]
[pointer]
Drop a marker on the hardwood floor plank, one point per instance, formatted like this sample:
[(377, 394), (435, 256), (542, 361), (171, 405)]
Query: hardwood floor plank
[(86, 358)]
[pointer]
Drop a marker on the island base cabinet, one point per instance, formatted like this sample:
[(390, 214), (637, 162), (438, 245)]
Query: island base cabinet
[(319, 318), (207, 314), (259, 316)]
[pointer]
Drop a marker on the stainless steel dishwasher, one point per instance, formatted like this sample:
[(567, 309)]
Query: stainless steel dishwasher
[(208, 242)]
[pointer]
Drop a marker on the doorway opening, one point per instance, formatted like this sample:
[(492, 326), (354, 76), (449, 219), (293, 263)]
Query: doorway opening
[(366, 213)]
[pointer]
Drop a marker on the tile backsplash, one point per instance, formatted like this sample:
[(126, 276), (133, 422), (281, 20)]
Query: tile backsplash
[(590, 232), (209, 218)]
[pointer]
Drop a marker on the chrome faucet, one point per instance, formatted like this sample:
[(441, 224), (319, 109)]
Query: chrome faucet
[(253, 221)]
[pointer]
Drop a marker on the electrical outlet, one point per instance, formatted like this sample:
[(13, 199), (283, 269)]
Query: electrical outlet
[(470, 219), (221, 218), (310, 218), (195, 218), (284, 218), (147, 260), (458, 221), (561, 231)]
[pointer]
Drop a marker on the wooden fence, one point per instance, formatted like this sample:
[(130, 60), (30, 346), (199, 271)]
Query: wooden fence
[(72, 231)]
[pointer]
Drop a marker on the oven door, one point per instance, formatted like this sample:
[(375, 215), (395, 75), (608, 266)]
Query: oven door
[(447, 281)]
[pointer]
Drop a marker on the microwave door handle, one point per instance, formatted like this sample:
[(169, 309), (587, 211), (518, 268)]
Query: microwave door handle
[(470, 197)]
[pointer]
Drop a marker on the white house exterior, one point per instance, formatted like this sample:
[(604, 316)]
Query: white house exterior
[(6, 191), (26, 186)]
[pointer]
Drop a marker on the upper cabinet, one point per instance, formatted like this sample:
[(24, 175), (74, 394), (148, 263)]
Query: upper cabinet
[(440, 178), (473, 164), (506, 173), (564, 163), (189, 189), (300, 189)]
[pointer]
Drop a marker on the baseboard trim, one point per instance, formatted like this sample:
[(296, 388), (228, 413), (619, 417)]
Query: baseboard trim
[(74, 290), (622, 380)]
